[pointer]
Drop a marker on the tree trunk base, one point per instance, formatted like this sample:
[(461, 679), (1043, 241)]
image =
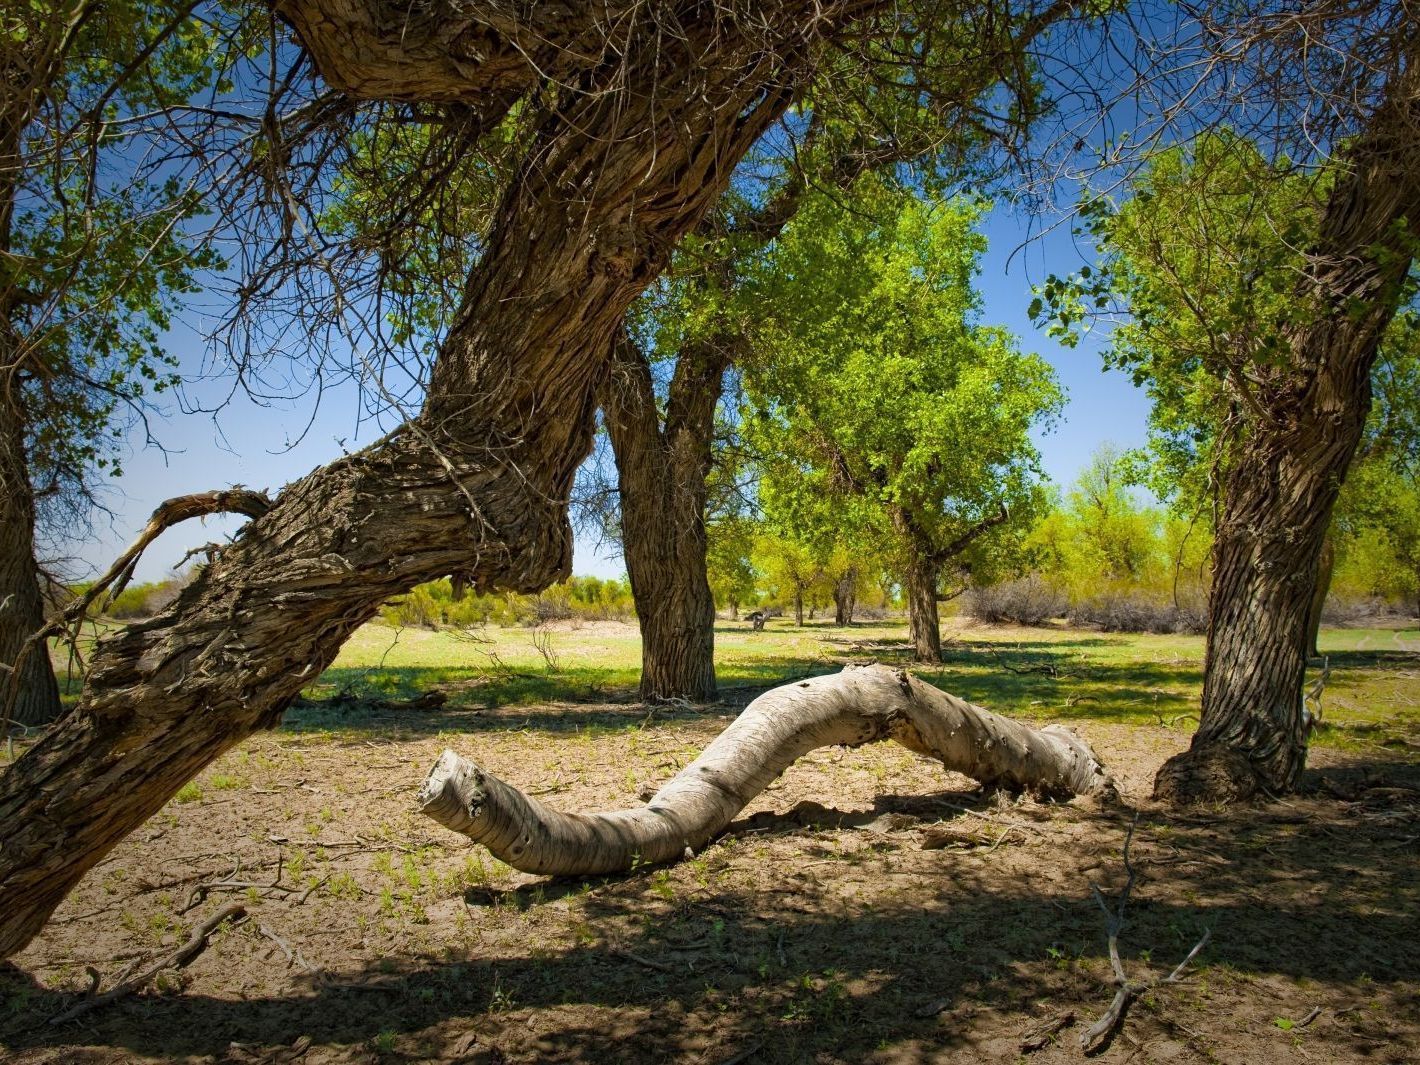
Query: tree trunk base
[(860, 705), (1211, 773)]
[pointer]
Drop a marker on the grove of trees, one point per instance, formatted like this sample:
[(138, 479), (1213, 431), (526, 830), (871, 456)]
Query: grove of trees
[(733, 236)]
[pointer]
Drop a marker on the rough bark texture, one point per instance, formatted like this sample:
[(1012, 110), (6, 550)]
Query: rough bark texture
[(635, 152), (923, 623), (925, 560), (1280, 492), (36, 701), (661, 473), (860, 705)]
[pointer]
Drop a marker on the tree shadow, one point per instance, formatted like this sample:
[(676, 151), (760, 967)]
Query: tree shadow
[(1325, 897)]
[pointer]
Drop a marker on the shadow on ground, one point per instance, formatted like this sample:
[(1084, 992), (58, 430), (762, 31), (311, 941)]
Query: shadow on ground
[(795, 966)]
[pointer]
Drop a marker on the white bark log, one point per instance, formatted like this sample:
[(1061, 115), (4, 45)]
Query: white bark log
[(860, 705)]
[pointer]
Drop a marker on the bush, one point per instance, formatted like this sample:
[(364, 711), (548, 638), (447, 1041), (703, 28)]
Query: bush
[(144, 600), (1134, 611), (1025, 601), (433, 605)]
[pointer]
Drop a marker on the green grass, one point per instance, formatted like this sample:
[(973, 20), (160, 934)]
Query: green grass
[(1371, 697)]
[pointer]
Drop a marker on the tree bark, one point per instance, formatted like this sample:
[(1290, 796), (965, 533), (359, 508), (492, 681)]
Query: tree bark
[(924, 626), (661, 475), (36, 700), (1279, 494), (861, 705), (799, 606), (630, 158), (845, 597)]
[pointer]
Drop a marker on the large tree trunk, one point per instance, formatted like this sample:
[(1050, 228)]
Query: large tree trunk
[(923, 624), (860, 705), (661, 476), (478, 483), (32, 696), (35, 701), (845, 597), (1282, 486)]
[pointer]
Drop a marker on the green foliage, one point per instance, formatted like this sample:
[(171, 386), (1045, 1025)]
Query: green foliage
[(1107, 558), (888, 419), (96, 254), (1379, 526), (432, 605)]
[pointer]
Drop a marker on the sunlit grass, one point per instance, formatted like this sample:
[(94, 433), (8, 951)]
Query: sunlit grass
[(1372, 695)]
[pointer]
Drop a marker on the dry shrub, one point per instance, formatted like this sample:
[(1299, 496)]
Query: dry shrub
[(1030, 600), (1135, 611)]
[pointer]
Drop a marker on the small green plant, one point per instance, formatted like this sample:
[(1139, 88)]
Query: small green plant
[(384, 1042), (225, 782), (189, 792)]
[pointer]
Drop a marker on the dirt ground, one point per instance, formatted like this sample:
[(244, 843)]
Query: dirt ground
[(823, 927)]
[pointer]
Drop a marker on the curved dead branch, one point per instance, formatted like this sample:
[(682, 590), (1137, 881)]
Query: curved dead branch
[(860, 705)]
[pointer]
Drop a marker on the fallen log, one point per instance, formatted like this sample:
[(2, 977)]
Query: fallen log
[(860, 705)]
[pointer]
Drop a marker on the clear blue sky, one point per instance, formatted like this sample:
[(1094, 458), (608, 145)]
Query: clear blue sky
[(253, 445)]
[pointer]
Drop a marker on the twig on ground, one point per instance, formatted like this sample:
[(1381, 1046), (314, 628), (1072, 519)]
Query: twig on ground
[(1098, 1034), (1039, 1036), (293, 955), (647, 962), (177, 959)]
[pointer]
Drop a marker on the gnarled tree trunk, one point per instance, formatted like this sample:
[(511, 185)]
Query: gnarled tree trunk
[(860, 705), (635, 151), (661, 474), (1280, 491)]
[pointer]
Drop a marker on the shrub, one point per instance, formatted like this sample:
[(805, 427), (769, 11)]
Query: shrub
[(1135, 611), (1030, 600)]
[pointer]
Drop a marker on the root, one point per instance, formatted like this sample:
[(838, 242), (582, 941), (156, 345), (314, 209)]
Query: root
[(860, 705)]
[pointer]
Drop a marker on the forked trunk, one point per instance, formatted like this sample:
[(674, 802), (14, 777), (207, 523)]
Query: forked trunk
[(477, 484), (35, 700), (661, 474), (923, 624), (860, 705), (1279, 494)]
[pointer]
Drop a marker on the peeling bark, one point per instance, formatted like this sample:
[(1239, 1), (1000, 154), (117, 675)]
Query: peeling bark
[(861, 705)]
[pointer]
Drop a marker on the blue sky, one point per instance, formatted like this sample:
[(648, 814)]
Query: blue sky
[(258, 446)]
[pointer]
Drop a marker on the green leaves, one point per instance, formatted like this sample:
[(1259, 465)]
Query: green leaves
[(873, 388)]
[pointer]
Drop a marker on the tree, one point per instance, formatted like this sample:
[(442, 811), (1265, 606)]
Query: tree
[(877, 394), (968, 90), (625, 159), (728, 561), (93, 262), (1258, 297)]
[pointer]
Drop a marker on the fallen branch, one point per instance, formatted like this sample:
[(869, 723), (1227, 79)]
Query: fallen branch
[(1094, 1037), (176, 960), (857, 706)]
